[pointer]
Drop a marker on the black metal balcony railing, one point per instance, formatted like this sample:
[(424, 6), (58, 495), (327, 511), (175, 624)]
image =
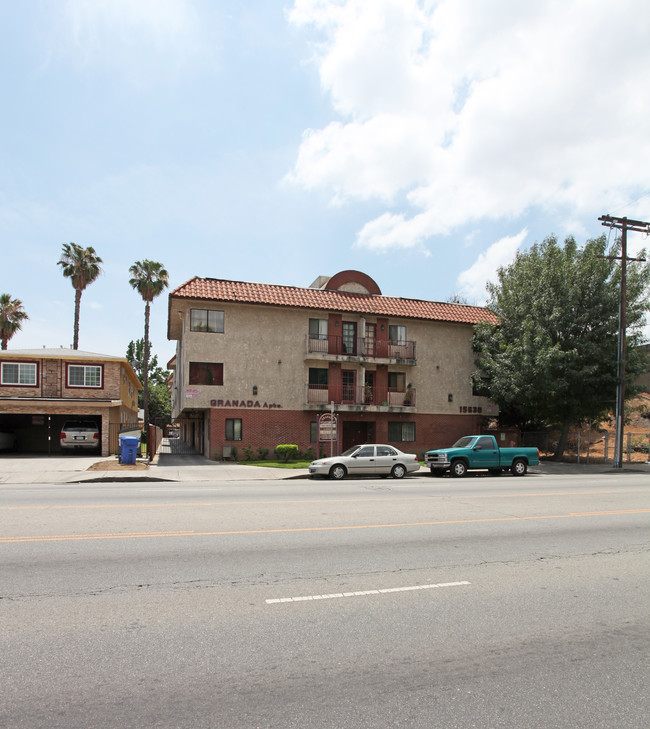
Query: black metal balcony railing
[(361, 346), (360, 395)]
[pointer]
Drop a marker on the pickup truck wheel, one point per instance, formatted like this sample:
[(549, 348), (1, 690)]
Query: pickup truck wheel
[(338, 472), (399, 471), (519, 467), (458, 469)]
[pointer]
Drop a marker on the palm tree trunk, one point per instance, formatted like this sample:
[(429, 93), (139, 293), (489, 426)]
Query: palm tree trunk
[(145, 372), (77, 308)]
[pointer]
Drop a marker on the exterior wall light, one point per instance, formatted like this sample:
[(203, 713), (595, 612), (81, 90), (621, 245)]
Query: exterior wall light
[(254, 389), (450, 397)]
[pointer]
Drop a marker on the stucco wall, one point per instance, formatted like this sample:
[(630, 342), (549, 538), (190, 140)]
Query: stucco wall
[(265, 347)]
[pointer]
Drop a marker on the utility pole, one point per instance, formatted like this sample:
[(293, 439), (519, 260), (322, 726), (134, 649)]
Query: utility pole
[(622, 224)]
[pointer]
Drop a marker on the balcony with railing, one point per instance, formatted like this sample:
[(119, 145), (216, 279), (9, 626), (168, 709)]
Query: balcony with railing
[(360, 395), (338, 346)]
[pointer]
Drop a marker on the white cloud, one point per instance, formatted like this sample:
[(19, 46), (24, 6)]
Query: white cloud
[(478, 111), (473, 281)]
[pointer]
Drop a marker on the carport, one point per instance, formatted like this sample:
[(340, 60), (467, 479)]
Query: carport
[(36, 423)]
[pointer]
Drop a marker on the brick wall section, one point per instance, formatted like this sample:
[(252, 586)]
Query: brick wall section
[(267, 429), (52, 376)]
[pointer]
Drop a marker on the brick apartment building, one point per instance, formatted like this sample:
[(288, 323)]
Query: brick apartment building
[(42, 388), (257, 364)]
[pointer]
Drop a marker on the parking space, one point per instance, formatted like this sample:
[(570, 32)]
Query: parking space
[(33, 433)]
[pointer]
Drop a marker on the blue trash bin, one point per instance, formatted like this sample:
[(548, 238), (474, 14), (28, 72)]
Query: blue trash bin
[(128, 448)]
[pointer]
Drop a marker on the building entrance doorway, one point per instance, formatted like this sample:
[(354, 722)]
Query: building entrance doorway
[(356, 433)]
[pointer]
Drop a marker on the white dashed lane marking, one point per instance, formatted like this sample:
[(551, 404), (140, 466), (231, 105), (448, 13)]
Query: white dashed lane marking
[(362, 593)]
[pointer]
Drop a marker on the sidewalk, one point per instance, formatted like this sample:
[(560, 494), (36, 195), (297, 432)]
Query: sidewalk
[(43, 469)]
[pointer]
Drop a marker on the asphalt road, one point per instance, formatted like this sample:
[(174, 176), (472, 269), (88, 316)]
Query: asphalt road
[(489, 602)]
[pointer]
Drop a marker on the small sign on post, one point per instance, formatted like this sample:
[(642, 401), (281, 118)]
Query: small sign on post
[(328, 429)]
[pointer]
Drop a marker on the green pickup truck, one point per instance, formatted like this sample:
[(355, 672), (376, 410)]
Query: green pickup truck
[(474, 452)]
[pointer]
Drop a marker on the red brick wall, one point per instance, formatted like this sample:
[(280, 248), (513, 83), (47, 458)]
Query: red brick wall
[(268, 428), (52, 379)]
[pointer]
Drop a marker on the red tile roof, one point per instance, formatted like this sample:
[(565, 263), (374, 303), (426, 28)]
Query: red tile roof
[(242, 292)]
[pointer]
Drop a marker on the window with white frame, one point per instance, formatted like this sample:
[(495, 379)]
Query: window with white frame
[(84, 375), (19, 373)]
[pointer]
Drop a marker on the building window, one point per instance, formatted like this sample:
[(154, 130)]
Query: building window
[(318, 328), (206, 373), (233, 428), (20, 373), (84, 375), (396, 333), (401, 432), (206, 320), (318, 375), (313, 432), (397, 381)]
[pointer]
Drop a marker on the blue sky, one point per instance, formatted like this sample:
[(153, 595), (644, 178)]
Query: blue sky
[(421, 142)]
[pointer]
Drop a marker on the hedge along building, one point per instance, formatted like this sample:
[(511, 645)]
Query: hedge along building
[(257, 364)]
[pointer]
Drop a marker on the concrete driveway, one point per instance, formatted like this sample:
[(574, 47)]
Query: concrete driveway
[(43, 469)]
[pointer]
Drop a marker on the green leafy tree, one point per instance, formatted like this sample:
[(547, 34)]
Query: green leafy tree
[(81, 266), (12, 316), (552, 359), (149, 279), (160, 406)]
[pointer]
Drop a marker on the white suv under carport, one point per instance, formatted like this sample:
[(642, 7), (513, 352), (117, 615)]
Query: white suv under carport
[(80, 435)]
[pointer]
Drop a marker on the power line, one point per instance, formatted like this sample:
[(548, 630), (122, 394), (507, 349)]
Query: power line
[(622, 224)]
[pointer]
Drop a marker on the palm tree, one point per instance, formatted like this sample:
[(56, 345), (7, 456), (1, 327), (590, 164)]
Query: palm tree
[(12, 315), (81, 266), (148, 278)]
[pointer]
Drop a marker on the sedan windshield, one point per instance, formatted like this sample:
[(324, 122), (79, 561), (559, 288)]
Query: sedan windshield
[(350, 451)]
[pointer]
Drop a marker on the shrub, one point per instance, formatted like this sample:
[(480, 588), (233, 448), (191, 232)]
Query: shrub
[(309, 455), (248, 453), (286, 452), (262, 453)]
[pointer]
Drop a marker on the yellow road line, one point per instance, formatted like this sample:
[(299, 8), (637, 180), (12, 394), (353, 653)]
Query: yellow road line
[(289, 530)]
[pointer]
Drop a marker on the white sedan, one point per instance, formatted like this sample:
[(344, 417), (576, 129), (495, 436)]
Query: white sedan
[(365, 460)]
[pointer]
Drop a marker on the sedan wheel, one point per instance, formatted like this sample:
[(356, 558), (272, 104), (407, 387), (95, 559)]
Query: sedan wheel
[(399, 471), (338, 472)]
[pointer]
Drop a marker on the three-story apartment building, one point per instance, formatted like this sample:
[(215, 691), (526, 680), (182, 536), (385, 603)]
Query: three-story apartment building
[(257, 364)]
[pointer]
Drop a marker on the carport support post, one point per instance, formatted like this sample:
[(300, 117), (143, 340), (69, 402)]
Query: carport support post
[(104, 448)]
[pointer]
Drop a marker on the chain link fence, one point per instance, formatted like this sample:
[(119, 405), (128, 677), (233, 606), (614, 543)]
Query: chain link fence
[(589, 446)]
